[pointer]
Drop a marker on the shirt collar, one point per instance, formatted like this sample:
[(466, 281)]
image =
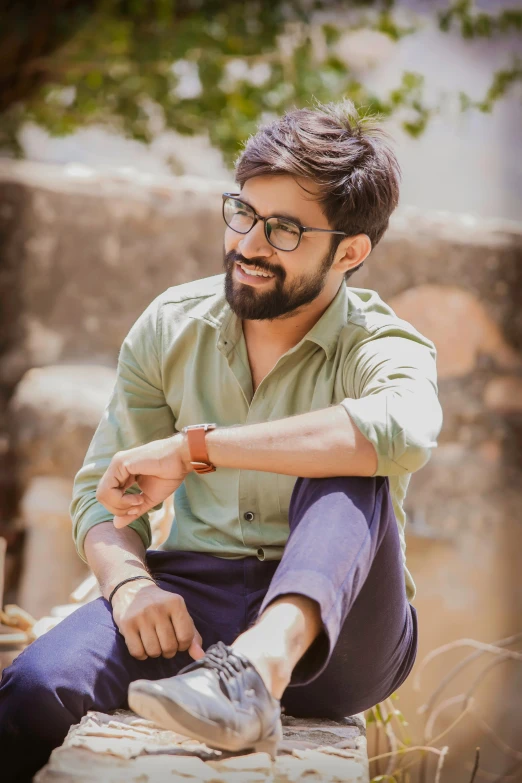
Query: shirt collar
[(212, 309), (216, 312), (329, 326)]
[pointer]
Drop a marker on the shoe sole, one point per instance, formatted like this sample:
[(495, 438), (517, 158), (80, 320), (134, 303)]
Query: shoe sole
[(156, 708)]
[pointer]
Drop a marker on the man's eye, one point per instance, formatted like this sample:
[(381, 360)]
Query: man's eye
[(287, 227), (240, 209)]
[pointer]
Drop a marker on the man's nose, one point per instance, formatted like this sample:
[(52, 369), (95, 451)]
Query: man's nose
[(255, 242)]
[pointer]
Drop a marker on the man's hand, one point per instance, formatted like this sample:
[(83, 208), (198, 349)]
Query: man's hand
[(154, 622), (158, 468)]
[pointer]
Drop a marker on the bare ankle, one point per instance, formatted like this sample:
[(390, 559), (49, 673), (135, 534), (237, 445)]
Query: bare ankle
[(275, 675), (279, 639), (273, 669)]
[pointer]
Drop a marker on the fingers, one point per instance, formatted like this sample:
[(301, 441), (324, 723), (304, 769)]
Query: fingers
[(112, 489), (167, 638), (112, 485), (128, 484), (116, 499), (130, 505), (144, 640), (150, 641), (195, 650), (155, 622), (120, 522), (134, 644), (137, 509), (129, 501), (182, 622)]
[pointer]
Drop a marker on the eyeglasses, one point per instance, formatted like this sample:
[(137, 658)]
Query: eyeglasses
[(281, 233)]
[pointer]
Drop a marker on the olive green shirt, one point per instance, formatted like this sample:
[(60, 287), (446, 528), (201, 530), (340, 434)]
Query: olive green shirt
[(185, 361)]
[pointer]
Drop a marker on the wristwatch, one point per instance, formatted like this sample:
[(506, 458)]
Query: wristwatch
[(198, 448)]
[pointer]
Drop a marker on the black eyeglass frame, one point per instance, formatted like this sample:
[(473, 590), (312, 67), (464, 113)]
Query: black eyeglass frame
[(257, 218)]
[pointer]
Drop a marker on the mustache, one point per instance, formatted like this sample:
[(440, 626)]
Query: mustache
[(232, 257)]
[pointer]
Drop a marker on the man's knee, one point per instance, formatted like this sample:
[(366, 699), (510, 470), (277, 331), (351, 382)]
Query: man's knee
[(348, 485), (363, 491)]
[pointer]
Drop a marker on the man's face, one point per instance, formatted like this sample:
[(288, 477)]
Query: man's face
[(296, 277)]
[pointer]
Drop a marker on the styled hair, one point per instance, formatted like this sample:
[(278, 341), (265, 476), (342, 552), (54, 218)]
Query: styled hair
[(346, 155)]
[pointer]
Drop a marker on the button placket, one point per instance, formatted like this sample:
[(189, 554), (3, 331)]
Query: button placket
[(244, 507)]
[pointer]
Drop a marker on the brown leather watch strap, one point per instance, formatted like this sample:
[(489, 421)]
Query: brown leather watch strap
[(199, 458)]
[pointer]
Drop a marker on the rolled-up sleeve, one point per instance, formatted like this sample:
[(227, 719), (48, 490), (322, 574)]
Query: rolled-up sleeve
[(137, 413), (393, 380)]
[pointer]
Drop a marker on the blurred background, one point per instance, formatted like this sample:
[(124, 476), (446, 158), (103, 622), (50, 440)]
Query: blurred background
[(119, 124)]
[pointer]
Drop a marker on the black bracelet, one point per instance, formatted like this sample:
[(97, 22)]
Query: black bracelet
[(124, 581)]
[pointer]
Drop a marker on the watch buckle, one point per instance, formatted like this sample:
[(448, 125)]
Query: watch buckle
[(203, 467)]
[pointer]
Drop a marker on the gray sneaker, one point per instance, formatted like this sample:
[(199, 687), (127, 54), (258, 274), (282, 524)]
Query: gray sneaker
[(220, 700)]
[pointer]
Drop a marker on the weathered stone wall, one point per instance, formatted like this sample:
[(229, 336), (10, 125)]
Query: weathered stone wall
[(82, 257)]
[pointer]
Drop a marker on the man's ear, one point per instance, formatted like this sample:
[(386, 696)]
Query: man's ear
[(351, 252)]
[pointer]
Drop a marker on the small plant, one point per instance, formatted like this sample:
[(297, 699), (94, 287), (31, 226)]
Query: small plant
[(402, 756)]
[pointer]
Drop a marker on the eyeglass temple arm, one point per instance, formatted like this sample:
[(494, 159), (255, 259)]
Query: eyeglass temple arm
[(323, 231)]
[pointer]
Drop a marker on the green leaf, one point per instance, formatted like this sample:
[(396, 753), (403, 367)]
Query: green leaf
[(378, 713), (120, 55)]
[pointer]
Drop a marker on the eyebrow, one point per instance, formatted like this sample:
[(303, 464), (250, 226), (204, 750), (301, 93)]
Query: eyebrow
[(286, 215)]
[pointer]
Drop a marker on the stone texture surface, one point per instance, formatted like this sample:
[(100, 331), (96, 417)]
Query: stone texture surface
[(122, 747), (461, 326), (504, 394), (53, 415), (453, 474), (51, 569), (83, 257)]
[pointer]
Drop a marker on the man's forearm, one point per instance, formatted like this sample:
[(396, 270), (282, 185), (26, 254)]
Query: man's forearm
[(312, 445), (114, 555)]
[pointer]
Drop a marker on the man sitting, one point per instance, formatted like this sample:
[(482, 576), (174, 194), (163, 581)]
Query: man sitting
[(283, 582)]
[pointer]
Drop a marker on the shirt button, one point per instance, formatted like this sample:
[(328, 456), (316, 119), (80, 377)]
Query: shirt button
[(248, 516), (261, 553)]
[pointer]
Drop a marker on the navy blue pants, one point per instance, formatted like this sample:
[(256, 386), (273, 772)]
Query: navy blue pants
[(343, 551)]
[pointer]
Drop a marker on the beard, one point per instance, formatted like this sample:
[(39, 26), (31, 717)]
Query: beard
[(281, 301)]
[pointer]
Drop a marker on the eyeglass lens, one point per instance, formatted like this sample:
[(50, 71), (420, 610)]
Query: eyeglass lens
[(282, 234)]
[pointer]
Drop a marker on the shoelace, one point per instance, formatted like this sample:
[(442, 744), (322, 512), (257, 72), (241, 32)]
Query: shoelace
[(227, 665)]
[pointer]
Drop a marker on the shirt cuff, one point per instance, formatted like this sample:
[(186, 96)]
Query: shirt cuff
[(99, 514), (397, 453)]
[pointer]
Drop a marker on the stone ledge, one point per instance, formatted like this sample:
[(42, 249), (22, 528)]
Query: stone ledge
[(82, 179), (122, 747)]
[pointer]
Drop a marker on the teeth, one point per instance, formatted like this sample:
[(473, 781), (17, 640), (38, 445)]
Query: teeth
[(253, 273)]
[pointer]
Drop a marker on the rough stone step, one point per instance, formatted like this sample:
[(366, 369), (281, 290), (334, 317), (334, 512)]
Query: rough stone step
[(120, 748)]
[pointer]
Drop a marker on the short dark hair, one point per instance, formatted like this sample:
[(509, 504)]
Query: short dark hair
[(347, 155)]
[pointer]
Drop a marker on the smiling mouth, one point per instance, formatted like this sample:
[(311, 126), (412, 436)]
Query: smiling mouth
[(254, 272)]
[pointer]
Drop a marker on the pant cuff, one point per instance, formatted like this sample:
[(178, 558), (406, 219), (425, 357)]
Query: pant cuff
[(314, 585)]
